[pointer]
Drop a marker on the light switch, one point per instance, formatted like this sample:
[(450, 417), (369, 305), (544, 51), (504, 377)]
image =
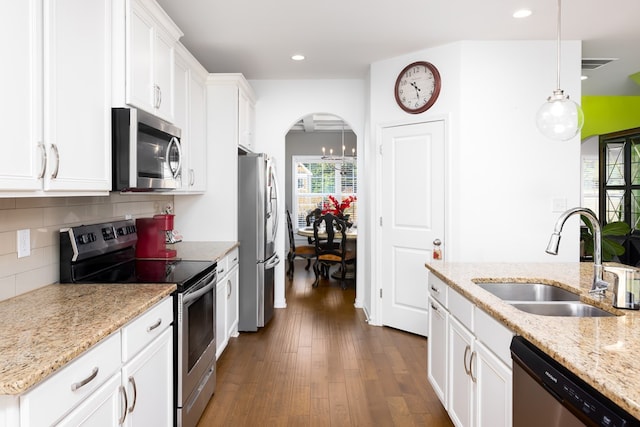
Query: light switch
[(24, 243)]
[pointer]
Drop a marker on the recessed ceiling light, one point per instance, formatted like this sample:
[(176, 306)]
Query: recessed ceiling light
[(522, 13), (584, 77), (297, 57)]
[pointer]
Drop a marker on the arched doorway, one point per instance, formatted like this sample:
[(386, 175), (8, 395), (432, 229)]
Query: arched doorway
[(320, 161)]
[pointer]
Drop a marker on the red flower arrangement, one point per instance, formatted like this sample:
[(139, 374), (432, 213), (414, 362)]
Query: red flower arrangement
[(337, 208)]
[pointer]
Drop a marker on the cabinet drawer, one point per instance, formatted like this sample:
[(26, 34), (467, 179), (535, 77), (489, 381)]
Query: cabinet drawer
[(223, 268), (60, 393), (144, 328), (232, 259), (438, 289), (495, 336), (461, 308)]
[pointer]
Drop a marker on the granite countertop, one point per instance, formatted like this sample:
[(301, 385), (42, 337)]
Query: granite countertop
[(42, 330), (603, 351), (203, 251)]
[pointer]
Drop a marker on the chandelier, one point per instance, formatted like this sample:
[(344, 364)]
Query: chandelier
[(340, 161)]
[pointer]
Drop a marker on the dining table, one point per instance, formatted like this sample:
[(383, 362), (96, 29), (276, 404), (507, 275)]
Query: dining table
[(352, 235)]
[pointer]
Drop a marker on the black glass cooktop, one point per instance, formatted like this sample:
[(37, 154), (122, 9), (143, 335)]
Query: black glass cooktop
[(180, 272)]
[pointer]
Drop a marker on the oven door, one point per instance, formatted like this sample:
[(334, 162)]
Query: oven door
[(196, 339)]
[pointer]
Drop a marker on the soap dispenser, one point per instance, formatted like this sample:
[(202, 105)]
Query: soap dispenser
[(626, 287)]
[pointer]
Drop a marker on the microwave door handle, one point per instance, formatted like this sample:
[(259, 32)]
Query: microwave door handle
[(175, 141)]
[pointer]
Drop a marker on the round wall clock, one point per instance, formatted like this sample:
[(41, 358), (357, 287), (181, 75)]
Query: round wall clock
[(417, 87)]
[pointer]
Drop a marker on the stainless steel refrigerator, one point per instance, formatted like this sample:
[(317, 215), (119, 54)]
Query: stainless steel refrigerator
[(257, 228)]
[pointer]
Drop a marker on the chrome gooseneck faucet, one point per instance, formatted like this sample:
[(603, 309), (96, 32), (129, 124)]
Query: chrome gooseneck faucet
[(599, 286)]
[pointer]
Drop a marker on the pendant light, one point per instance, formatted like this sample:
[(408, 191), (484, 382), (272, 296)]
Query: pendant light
[(559, 118)]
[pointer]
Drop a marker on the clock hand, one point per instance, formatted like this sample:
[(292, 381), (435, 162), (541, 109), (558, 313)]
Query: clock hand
[(415, 86)]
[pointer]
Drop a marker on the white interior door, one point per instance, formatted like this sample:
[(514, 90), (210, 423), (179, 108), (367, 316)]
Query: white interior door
[(413, 210)]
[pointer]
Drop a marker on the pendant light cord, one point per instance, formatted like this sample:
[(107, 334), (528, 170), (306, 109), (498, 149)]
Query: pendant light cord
[(558, 48)]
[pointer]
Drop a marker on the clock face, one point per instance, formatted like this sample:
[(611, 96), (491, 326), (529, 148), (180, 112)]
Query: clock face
[(417, 87)]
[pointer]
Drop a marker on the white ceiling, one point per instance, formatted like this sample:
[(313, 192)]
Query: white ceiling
[(340, 38)]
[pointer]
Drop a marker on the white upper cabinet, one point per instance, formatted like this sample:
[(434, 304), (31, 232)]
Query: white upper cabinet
[(246, 119), (190, 116), (144, 54), (56, 97)]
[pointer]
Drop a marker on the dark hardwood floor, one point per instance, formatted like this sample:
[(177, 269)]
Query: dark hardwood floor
[(319, 363)]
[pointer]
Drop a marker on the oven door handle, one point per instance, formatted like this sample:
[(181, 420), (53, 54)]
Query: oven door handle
[(188, 297)]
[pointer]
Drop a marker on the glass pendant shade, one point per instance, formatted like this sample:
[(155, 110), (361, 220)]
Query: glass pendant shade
[(559, 118)]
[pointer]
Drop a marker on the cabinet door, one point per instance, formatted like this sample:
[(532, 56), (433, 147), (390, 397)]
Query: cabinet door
[(21, 163), (197, 134), (460, 383), (148, 381), (140, 91), (246, 118), (77, 94), (104, 408), (493, 389), (232, 302), (221, 315), (163, 69), (437, 354), (181, 117)]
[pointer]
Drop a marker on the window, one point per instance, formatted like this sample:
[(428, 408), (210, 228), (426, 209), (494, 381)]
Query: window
[(620, 178), (316, 179)]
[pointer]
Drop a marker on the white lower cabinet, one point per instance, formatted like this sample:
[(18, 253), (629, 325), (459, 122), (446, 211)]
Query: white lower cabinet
[(148, 381), (227, 301), (437, 360), (469, 363), (461, 396), (125, 380)]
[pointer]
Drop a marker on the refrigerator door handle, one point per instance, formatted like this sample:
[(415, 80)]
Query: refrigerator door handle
[(275, 260)]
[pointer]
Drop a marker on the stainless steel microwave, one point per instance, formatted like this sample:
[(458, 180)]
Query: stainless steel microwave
[(147, 154)]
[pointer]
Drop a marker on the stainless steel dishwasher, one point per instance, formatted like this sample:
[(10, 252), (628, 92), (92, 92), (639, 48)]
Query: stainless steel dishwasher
[(545, 393)]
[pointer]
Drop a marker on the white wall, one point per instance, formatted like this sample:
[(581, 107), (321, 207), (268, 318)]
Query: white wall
[(281, 103), (503, 175)]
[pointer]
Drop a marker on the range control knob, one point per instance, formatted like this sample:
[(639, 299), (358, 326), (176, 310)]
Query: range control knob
[(86, 238)]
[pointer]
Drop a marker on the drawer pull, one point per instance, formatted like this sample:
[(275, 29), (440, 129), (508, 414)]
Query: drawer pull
[(123, 393), (135, 394), (434, 307), (80, 384), (434, 289), (154, 326), (221, 271), (235, 259)]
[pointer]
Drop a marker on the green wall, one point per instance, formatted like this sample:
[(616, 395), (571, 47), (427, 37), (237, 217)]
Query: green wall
[(606, 114)]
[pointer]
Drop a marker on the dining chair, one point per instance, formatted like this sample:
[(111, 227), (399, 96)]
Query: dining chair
[(330, 235), (307, 252), (311, 217)]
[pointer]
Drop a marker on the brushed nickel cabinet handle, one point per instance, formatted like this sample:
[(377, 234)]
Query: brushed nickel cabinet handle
[(229, 289), (123, 393), (464, 360), (154, 326), (43, 165), (80, 384), (473, 356), (54, 174), (132, 381)]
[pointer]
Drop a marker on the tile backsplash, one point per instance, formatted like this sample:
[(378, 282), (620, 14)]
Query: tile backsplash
[(44, 217)]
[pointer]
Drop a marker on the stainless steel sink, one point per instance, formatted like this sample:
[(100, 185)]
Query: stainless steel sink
[(510, 291), (564, 309)]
